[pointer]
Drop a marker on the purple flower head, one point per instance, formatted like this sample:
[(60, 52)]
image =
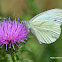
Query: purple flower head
[(11, 32)]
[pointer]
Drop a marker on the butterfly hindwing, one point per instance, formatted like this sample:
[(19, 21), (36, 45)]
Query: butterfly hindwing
[(45, 31)]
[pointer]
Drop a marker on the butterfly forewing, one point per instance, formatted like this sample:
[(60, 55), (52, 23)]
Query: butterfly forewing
[(54, 15)]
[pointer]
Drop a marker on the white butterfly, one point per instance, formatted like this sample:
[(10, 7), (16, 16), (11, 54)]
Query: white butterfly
[(46, 26)]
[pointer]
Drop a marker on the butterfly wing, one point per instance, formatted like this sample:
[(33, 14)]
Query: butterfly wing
[(54, 15), (45, 31)]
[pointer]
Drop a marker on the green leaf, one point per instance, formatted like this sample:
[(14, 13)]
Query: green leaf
[(9, 58)]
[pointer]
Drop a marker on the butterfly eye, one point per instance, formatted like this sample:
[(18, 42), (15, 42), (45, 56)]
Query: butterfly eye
[(55, 20)]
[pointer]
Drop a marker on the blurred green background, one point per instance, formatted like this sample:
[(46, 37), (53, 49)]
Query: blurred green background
[(32, 51)]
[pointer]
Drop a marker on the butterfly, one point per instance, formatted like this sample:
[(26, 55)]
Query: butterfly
[(46, 25)]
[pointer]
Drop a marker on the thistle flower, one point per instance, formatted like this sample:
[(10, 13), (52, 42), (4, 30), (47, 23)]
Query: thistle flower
[(11, 32)]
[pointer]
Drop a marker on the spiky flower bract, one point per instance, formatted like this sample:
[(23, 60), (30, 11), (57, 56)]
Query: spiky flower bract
[(11, 32)]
